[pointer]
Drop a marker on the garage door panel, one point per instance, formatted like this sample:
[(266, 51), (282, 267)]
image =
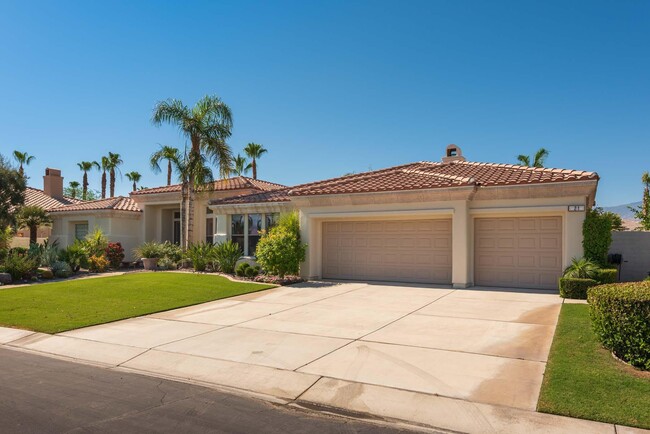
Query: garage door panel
[(518, 252), (395, 250)]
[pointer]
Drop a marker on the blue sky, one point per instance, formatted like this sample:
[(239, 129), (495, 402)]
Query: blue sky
[(334, 87)]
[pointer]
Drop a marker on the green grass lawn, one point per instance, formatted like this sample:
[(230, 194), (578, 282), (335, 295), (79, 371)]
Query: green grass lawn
[(61, 306), (583, 380)]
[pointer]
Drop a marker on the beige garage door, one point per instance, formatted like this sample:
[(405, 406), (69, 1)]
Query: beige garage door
[(397, 251), (522, 252)]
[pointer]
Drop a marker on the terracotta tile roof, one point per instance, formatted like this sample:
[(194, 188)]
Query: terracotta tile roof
[(236, 183), (119, 203), (36, 197), (279, 195), (427, 175)]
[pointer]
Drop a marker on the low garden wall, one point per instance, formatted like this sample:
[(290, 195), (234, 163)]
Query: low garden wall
[(635, 248)]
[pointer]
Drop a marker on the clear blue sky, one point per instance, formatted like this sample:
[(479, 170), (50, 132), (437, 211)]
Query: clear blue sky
[(334, 86)]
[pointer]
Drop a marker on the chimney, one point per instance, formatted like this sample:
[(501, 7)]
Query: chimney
[(453, 153), (53, 183)]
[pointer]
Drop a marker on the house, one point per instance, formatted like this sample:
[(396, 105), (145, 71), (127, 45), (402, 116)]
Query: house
[(450, 222), (50, 197)]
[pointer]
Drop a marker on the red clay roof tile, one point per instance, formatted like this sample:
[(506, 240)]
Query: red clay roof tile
[(119, 203), (236, 183)]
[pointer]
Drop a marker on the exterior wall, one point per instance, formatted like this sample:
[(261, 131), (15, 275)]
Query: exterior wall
[(123, 227), (635, 248), (22, 236)]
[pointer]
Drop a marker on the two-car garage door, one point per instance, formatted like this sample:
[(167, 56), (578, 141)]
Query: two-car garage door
[(390, 250)]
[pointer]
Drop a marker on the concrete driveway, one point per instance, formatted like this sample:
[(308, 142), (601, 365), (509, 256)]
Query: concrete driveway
[(481, 345)]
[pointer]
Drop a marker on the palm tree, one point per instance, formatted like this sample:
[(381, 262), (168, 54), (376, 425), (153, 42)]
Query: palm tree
[(106, 165), (114, 161), (254, 151), (645, 179), (23, 159), (168, 153), (134, 177), (32, 217), (241, 166), (538, 161), (86, 166), (73, 189), (208, 124)]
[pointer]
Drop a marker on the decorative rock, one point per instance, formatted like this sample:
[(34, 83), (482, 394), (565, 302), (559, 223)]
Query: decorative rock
[(45, 273), (5, 278)]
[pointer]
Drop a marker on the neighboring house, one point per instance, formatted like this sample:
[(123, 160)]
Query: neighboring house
[(454, 222), (50, 197)]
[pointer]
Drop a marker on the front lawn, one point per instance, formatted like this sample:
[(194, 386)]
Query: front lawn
[(61, 306), (583, 380)]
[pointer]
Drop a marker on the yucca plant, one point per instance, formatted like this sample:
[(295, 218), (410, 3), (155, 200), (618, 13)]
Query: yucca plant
[(581, 268), (201, 255), (226, 255)]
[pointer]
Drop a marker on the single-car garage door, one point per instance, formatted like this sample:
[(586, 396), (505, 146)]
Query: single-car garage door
[(391, 250), (521, 252)]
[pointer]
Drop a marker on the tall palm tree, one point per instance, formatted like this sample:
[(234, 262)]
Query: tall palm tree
[(86, 166), (106, 166), (240, 166), (73, 189), (538, 161), (254, 151), (114, 161), (645, 205), (208, 124), (23, 159), (32, 217), (134, 177), (168, 153)]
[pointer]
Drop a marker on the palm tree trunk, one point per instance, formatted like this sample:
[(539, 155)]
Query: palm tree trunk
[(112, 183), (85, 190), (254, 169), (134, 186), (21, 172), (104, 185), (33, 230), (190, 216), (184, 201), (169, 172)]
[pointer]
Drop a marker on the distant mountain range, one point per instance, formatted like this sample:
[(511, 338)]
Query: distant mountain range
[(623, 210)]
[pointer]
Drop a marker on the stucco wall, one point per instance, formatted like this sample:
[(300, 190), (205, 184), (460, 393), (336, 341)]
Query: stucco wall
[(635, 248)]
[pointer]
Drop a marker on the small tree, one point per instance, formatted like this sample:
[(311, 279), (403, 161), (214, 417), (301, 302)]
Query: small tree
[(280, 250), (596, 236), (12, 190), (32, 217), (642, 213)]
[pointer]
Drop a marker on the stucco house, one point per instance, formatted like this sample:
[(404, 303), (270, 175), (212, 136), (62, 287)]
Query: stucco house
[(450, 222)]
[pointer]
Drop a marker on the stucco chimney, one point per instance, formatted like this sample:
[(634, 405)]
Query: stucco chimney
[(453, 153), (53, 183)]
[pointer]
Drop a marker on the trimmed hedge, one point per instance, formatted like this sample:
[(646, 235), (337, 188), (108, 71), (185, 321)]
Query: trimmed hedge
[(620, 316), (571, 287), (606, 275)]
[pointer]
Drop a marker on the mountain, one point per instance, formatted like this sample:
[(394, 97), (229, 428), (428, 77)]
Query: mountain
[(623, 210)]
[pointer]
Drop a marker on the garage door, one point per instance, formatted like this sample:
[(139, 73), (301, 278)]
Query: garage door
[(522, 252), (398, 251)]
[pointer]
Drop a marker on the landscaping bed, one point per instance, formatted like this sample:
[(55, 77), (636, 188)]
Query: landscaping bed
[(584, 380), (61, 306)]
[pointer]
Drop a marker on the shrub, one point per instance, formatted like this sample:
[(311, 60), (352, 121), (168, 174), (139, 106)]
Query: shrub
[(166, 263), (252, 271), (241, 269), (49, 253), (572, 287), (620, 316), (596, 236), (96, 242), (76, 255), (280, 250), (171, 251), (97, 263), (149, 250), (201, 255), (115, 254), (6, 235), (61, 269), (581, 269), (606, 275), (19, 265), (227, 254)]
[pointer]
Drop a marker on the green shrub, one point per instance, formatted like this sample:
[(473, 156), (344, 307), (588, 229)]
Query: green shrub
[(620, 316), (226, 255), (241, 269), (252, 271), (280, 250), (201, 255), (76, 255), (581, 269), (19, 266), (96, 243), (148, 250), (596, 236), (571, 287), (166, 263), (172, 252), (61, 269), (606, 275)]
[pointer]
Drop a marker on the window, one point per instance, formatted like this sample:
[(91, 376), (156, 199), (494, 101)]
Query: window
[(80, 230), (177, 228), (254, 228), (271, 220), (237, 230), (210, 226)]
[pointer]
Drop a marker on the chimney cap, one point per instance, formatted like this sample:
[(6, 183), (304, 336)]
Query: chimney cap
[(453, 153)]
